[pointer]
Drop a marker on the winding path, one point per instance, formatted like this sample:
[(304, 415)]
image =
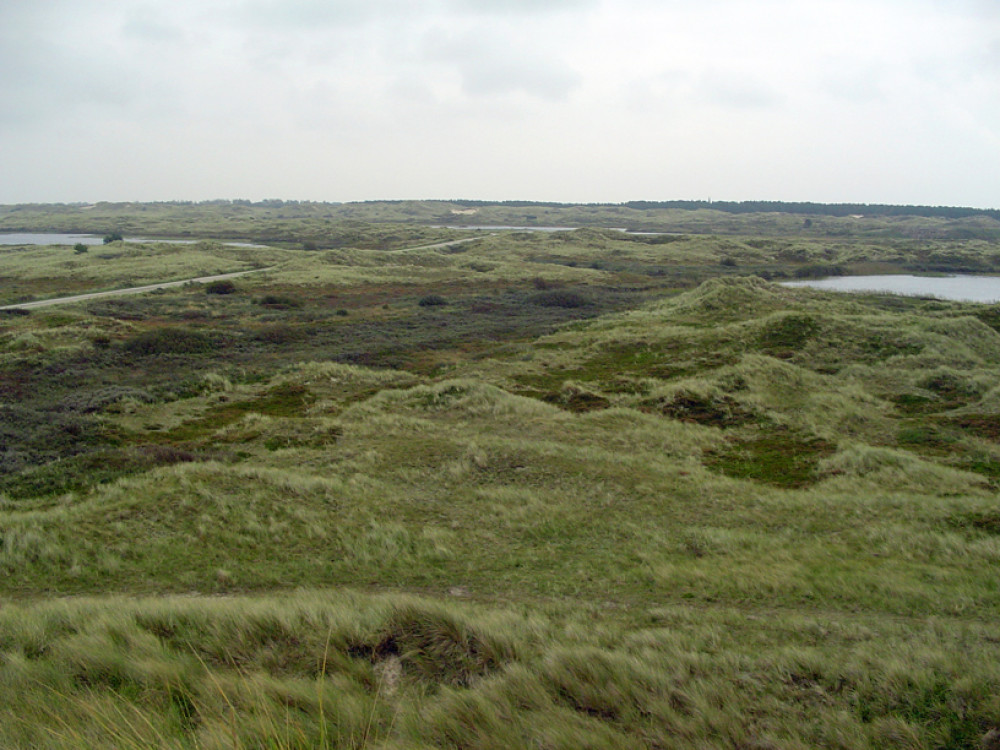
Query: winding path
[(129, 290), (198, 280), (438, 245)]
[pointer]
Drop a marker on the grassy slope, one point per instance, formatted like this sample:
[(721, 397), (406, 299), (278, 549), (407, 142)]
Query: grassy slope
[(741, 516)]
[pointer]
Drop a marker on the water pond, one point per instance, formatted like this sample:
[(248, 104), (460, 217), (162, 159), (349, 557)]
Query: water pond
[(961, 288), (34, 238), (505, 227), (37, 238)]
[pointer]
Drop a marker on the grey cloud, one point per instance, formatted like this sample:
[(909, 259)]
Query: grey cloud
[(854, 85), (42, 81), (519, 6), (979, 9), (501, 75), (677, 88), (993, 54), (144, 25), (736, 91), (225, 95), (489, 64), (328, 13), (55, 71), (320, 13)]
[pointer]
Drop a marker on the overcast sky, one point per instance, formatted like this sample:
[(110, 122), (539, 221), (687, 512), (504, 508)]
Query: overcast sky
[(881, 101)]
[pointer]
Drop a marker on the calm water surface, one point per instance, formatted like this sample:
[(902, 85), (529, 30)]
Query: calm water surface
[(36, 238), (961, 288), (504, 226)]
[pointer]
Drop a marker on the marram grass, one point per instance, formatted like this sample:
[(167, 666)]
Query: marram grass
[(742, 516), (353, 670)]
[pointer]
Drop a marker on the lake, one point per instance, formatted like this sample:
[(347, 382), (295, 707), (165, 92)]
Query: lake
[(33, 238), (36, 238), (504, 227), (961, 288)]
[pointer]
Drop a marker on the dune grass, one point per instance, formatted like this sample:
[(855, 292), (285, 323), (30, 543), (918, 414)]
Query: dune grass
[(350, 670), (573, 507)]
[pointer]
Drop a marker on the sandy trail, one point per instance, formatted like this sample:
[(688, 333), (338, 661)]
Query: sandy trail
[(129, 290)]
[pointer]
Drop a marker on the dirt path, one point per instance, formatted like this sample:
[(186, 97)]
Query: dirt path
[(129, 290), (438, 245)]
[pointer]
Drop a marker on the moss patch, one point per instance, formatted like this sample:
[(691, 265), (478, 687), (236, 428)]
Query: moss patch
[(779, 457), (288, 400)]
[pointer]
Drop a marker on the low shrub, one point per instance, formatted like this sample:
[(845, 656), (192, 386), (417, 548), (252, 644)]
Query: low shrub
[(927, 436), (91, 468), (819, 270), (788, 331), (951, 384), (432, 300), (32, 436), (559, 298), (279, 302), (89, 401), (777, 456), (708, 408), (434, 644), (168, 341), (539, 283), (221, 287), (280, 333)]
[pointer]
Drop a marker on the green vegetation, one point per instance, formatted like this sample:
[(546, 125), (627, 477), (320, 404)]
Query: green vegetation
[(220, 287), (304, 225), (621, 491), (432, 300)]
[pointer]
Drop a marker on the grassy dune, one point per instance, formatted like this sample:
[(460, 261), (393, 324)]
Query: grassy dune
[(380, 223), (393, 671), (606, 494)]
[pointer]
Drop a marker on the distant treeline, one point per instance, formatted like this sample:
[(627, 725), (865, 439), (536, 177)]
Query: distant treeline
[(753, 207), (821, 209), (732, 207)]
